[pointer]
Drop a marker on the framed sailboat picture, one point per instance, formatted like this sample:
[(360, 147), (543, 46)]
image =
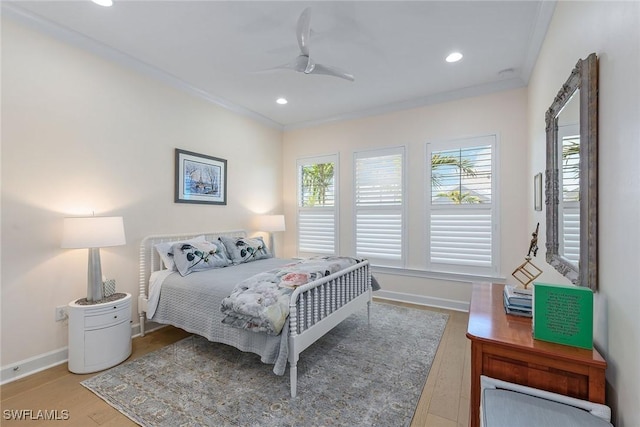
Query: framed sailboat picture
[(200, 178)]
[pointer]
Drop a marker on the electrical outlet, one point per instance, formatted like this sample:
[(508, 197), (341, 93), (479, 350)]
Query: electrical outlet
[(61, 313)]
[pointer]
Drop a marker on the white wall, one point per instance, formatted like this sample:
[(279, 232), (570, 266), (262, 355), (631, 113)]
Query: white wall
[(502, 113), (80, 134), (612, 31)]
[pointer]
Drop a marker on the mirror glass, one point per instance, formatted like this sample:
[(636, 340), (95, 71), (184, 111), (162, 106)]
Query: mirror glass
[(569, 179), (571, 176)]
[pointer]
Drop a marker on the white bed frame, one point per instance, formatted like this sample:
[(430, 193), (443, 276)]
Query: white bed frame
[(315, 308)]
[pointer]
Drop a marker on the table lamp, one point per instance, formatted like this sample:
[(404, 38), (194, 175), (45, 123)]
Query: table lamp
[(93, 232), (270, 224)]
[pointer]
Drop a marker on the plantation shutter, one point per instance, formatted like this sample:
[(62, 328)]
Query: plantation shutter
[(461, 237), (570, 203), (379, 206), (317, 210), (461, 207), (571, 231)]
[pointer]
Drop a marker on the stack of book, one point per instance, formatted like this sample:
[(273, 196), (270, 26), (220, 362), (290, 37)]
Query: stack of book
[(518, 301)]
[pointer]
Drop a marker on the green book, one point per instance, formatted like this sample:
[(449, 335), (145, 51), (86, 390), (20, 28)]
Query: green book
[(563, 314)]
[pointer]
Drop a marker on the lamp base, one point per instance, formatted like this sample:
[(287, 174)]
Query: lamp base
[(271, 248), (94, 276)]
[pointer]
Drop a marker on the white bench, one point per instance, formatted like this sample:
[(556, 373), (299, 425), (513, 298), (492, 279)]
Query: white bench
[(504, 404)]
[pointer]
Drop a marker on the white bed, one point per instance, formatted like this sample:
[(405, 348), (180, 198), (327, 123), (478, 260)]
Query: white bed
[(315, 308)]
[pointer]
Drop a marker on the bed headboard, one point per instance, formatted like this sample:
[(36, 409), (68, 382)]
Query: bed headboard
[(150, 260)]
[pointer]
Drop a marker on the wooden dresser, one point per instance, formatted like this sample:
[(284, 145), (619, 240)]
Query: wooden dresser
[(502, 347)]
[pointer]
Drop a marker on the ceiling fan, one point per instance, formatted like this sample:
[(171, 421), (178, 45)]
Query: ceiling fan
[(303, 63)]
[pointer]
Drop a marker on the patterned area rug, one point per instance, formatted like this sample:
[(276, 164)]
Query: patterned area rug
[(355, 375)]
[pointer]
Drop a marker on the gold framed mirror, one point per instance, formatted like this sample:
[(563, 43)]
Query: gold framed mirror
[(571, 182)]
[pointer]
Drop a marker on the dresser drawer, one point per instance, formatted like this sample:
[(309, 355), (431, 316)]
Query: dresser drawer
[(107, 314), (107, 318)]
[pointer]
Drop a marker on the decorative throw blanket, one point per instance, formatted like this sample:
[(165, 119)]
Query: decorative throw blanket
[(261, 303)]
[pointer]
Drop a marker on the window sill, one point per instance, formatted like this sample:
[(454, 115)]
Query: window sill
[(454, 277)]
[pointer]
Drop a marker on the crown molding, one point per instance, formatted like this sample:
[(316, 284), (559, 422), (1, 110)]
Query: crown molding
[(543, 20), (81, 41), (438, 98)]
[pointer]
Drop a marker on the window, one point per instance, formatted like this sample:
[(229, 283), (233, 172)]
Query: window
[(379, 206), (317, 205), (462, 207)]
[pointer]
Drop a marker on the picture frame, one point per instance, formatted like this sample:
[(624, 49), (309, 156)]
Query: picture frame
[(200, 178), (537, 191)]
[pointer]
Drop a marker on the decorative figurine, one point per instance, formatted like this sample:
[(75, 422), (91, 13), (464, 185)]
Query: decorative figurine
[(533, 246), (527, 272)]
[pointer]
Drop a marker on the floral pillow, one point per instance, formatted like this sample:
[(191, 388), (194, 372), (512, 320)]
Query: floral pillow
[(197, 256), (165, 250), (242, 249)]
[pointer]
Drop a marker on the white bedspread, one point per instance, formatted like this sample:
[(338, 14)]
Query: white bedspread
[(155, 283)]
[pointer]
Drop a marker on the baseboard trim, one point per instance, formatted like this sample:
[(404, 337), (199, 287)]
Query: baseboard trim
[(148, 327), (35, 364), (422, 300), (32, 365)]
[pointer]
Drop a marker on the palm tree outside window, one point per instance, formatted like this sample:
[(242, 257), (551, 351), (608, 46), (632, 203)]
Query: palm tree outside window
[(317, 205), (461, 214)]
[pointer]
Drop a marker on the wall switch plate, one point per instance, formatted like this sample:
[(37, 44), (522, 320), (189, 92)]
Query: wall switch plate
[(61, 313)]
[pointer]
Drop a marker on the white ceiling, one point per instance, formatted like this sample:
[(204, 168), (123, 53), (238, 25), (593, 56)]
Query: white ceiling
[(219, 50)]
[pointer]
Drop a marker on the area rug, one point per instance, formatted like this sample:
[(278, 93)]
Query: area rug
[(356, 375)]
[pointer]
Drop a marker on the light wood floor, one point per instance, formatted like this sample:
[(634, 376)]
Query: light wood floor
[(444, 401)]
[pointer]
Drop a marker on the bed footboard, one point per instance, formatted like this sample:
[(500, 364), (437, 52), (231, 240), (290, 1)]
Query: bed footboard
[(319, 306)]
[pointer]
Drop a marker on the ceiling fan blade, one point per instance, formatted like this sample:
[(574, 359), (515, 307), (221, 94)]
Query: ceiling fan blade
[(299, 64), (331, 71), (303, 63), (303, 31)]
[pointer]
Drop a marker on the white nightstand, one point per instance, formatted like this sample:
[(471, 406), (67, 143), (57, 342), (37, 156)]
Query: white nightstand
[(99, 334)]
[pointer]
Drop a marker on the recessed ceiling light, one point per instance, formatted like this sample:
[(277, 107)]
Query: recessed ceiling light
[(105, 3), (454, 57), (281, 101)]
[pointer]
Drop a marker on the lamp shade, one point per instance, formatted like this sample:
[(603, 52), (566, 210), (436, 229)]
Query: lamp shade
[(270, 223), (93, 232)]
